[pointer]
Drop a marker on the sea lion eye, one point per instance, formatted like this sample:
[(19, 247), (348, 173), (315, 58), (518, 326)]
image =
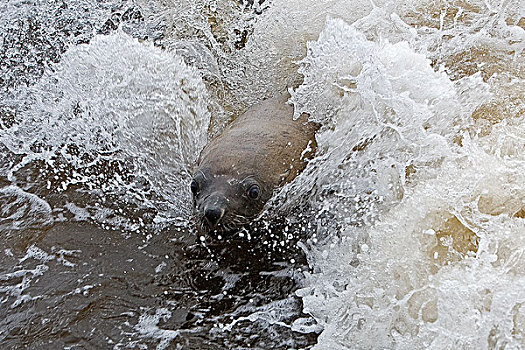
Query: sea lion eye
[(194, 187), (254, 191)]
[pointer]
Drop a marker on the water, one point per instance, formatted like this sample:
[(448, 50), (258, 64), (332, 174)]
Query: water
[(405, 231)]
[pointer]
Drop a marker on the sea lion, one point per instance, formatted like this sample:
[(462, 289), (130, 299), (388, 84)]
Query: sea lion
[(238, 171)]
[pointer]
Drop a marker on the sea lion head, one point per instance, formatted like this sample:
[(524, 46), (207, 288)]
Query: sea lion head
[(223, 202)]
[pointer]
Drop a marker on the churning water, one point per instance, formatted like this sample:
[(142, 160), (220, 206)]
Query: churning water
[(406, 231)]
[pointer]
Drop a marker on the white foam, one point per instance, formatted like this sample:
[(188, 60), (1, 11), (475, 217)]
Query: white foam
[(147, 326), (429, 252), (28, 275), (21, 209), (115, 99), (17, 291)]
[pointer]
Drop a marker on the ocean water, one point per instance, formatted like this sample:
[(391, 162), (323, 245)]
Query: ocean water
[(404, 232)]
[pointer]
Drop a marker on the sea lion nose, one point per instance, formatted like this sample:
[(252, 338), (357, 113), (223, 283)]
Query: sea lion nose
[(213, 215)]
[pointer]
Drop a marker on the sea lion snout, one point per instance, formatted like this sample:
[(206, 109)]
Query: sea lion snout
[(213, 215), (214, 209)]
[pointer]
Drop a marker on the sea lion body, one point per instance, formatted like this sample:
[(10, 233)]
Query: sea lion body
[(238, 171)]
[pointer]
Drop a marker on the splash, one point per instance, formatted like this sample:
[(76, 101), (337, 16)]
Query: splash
[(22, 210), (147, 326), (113, 115), (36, 33), (15, 285), (427, 198)]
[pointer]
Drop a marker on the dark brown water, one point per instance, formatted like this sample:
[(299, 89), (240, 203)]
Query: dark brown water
[(91, 288)]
